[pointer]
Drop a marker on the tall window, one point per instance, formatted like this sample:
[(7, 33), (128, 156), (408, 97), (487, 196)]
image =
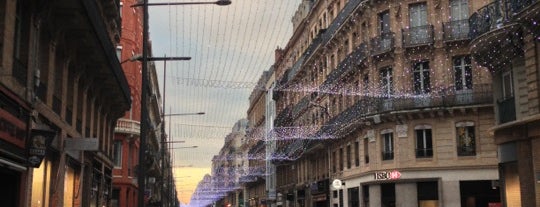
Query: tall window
[(20, 41), (459, 9), (466, 143), (387, 145), (507, 85), (384, 22), (366, 151), (418, 15), (357, 153), (334, 156), (462, 73), (117, 154), (341, 159), (421, 78), (348, 156), (386, 84), (424, 142)]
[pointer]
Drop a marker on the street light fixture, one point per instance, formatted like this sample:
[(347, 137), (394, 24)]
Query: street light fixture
[(218, 2), (144, 84)]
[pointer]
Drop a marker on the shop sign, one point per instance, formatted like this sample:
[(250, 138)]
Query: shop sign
[(37, 145), (387, 175)]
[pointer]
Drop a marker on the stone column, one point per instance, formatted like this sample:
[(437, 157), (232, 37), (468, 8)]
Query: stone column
[(375, 196), (450, 193), (406, 195)]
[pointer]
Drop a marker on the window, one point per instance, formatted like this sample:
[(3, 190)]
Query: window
[(387, 145), (384, 22), (20, 41), (348, 156), (386, 82), (334, 156), (340, 159), (421, 78), (418, 15), (117, 154), (365, 84), (462, 73), (459, 10), (424, 142), (366, 151), (357, 153), (507, 85), (41, 184), (466, 143)]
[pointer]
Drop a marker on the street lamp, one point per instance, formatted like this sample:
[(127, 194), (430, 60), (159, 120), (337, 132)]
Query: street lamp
[(218, 2), (144, 112)]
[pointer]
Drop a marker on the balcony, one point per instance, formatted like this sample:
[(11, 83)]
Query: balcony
[(496, 36), (456, 30), (507, 110), (418, 36), (346, 66), (340, 19), (301, 106), (382, 44), (127, 126)]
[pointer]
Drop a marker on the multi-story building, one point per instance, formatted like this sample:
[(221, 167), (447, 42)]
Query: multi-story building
[(127, 130), (62, 90), (505, 37), (229, 165), (393, 108)]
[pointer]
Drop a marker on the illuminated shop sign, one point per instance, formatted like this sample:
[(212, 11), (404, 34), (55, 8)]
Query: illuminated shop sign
[(387, 175)]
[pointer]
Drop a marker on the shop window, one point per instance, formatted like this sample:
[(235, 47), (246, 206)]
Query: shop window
[(353, 195), (388, 194), (41, 185), (477, 193), (69, 187), (365, 195), (466, 143), (428, 194)]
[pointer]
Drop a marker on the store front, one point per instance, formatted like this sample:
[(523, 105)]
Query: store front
[(13, 133), (436, 188)]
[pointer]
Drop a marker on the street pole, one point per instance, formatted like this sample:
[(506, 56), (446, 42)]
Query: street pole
[(141, 177)]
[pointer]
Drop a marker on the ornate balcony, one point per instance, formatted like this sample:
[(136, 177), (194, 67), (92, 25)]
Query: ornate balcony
[(382, 44), (496, 34), (417, 36), (456, 30), (507, 110), (347, 65), (127, 126)]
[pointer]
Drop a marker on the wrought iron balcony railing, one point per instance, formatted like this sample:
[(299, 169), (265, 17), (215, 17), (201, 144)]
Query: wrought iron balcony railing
[(424, 153), (382, 44), (348, 64), (416, 36), (387, 155), (495, 14), (507, 110), (456, 30)]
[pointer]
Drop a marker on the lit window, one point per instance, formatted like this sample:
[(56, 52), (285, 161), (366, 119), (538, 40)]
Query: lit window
[(466, 143)]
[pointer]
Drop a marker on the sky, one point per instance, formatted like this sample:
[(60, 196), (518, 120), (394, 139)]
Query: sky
[(230, 47)]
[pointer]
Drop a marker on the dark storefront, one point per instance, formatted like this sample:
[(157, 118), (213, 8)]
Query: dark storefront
[(319, 193), (13, 133)]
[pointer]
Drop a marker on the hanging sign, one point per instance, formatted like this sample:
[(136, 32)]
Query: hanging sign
[(37, 145)]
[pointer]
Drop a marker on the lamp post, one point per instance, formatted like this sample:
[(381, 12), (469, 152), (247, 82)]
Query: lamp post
[(144, 112)]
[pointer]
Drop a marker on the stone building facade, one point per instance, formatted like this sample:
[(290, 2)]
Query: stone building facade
[(398, 110), (62, 89), (507, 43)]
